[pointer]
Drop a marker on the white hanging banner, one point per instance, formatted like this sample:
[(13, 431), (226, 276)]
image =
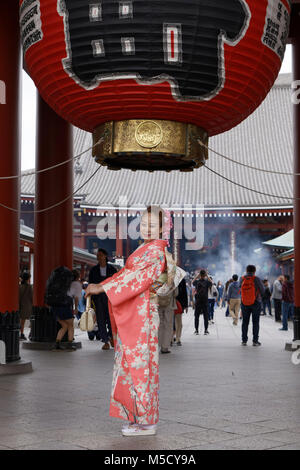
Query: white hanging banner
[(276, 28), (30, 23)]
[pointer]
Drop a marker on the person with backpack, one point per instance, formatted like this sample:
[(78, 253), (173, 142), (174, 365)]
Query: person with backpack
[(201, 284), (59, 297), (252, 290), (234, 299)]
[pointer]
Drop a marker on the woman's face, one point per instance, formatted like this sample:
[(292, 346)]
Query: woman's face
[(149, 227)]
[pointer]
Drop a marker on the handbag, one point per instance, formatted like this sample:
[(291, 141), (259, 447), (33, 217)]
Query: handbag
[(179, 308), (87, 318)]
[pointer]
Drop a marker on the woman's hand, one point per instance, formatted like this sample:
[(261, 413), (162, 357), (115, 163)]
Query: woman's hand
[(93, 289)]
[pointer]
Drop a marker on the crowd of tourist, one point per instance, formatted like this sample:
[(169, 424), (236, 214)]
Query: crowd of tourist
[(240, 297)]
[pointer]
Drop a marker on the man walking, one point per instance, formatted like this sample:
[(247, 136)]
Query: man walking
[(287, 302), (234, 299), (251, 291), (201, 284), (99, 273)]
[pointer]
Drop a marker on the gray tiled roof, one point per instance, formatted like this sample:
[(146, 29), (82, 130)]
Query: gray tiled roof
[(263, 140)]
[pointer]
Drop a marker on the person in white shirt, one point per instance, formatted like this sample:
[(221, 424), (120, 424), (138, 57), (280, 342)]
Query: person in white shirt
[(75, 291), (212, 297), (277, 297)]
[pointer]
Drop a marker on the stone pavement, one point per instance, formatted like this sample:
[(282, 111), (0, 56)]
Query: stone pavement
[(214, 394)]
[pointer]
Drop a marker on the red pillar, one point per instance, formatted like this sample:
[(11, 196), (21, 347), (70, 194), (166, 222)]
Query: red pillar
[(10, 66), (53, 228), (83, 230), (296, 76), (128, 247)]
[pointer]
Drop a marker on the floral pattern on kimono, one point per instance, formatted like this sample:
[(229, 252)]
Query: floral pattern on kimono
[(135, 322)]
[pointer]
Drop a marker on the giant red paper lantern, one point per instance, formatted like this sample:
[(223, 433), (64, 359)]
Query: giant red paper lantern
[(152, 76)]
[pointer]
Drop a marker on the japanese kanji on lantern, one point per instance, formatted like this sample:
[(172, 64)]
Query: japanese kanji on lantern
[(152, 77)]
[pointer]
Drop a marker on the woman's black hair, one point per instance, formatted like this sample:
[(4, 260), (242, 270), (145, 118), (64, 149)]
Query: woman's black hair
[(251, 269), (76, 274), (101, 250)]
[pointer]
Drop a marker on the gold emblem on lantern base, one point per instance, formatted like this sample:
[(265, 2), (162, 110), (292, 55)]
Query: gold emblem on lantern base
[(149, 134), (152, 145)]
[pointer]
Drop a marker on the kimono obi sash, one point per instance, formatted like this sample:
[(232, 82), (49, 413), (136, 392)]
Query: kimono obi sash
[(163, 278)]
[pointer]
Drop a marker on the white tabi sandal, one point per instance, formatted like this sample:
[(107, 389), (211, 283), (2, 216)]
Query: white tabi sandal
[(133, 429)]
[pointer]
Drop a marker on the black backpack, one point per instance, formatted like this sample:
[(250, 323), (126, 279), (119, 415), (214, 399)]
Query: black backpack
[(201, 290), (57, 287)]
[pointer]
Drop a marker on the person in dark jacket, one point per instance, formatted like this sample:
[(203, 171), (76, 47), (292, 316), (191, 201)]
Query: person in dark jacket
[(287, 302), (182, 298), (201, 284), (266, 298), (220, 289), (99, 273)]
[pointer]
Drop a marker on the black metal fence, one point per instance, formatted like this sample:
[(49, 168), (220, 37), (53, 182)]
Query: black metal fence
[(44, 326), (10, 334)]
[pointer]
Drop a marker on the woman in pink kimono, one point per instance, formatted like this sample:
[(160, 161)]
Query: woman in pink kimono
[(133, 306)]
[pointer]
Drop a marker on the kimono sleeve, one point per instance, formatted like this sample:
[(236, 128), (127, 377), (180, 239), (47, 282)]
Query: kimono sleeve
[(131, 282)]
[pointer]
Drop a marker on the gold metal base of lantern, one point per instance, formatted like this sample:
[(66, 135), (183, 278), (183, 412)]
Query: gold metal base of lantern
[(152, 145)]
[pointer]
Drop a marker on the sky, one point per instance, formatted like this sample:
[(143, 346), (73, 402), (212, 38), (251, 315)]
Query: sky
[(29, 113)]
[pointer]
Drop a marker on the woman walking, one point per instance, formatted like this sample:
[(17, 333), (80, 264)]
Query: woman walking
[(133, 306), (62, 291)]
